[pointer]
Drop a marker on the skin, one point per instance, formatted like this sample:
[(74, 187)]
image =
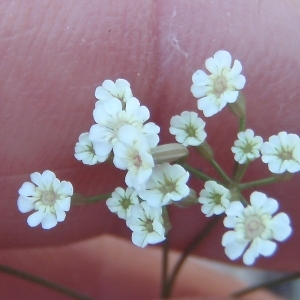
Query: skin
[(54, 55)]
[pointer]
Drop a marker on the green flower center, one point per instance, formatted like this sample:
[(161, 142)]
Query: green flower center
[(149, 225), (285, 155), (126, 202)]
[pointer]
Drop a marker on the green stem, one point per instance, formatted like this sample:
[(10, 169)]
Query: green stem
[(164, 274), (195, 242), (255, 183), (99, 198), (242, 124), (240, 171), (196, 173), (268, 284), (220, 171), (78, 199), (43, 282)]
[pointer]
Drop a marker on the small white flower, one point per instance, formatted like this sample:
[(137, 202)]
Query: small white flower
[(84, 151), (166, 184), (121, 201), (147, 225), (47, 195), (282, 153), (188, 129), (132, 153), (247, 147), (120, 90), (214, 91), (214, 197), (256, 226), (111, 116)]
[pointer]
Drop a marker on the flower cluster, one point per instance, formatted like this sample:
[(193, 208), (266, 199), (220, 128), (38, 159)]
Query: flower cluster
[(123, 133), (157, 175)]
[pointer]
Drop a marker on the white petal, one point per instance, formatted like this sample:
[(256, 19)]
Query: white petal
[(36, 178), (27, 189), (250, 255), (139, 238), (35, 218), (266, 247), (239, 82), (47, 178), (60, 214), (64, 204), (223, 59), (280, 226), (49, 221), (66, 188), (24, 204)]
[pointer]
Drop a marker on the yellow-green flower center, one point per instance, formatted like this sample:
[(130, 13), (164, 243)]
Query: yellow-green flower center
[(220, 85), (253, 227), (49, 198)]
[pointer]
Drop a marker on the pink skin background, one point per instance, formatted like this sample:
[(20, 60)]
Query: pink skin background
[(55, 53)]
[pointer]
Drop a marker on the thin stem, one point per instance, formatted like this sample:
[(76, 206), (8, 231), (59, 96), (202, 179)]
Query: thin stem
[(241, 169), (267, 284), (164, 274), (196, 173), (242, 124), (98, 198), (220, 171), (43, 282), (259, 182), (195, 242)]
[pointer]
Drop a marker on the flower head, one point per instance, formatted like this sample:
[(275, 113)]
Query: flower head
[(147, 225), (121, 202), (282, 153), (132, 153), (47, 195), (254, 226), (214, 91), (120, 90), (188, 129), (214, 197), (110, 117), (84, 151), (247, 147), (166, 184)]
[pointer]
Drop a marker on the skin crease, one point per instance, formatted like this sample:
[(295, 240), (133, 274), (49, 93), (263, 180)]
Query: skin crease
[(54, 55)]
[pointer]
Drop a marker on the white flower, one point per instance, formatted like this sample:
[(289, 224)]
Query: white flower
[(166, 184), (247, 147), (282, 153), (132, 153), (188, 129), (256, 226), (120, 90), (221, 86), (110, 117), (147, 225), (215, 198), (84, 151), (121, 201), (47, 195)]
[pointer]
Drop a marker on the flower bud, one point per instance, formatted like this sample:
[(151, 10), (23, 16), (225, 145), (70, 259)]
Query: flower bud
[(168, 153)]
